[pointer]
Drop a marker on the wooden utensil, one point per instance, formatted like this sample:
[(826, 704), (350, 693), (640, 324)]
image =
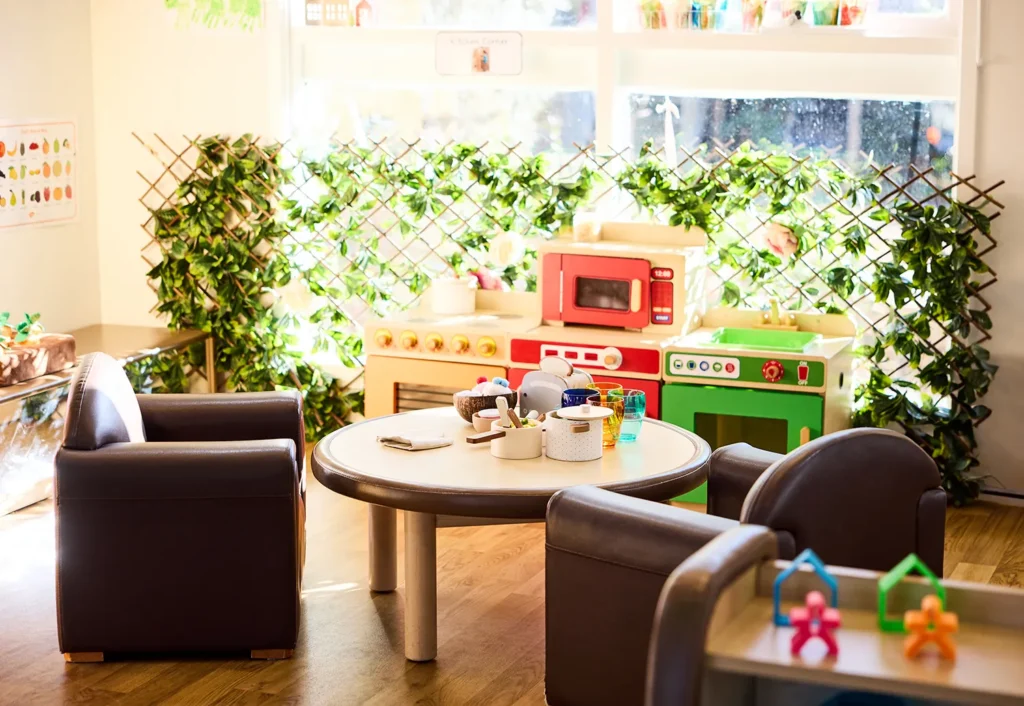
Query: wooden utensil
[(485, 437), (503, 412)]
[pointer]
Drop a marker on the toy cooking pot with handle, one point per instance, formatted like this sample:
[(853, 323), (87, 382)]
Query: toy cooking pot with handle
[(510, 437), (575, 433)]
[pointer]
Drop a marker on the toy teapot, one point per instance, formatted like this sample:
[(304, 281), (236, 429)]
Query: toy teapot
[(541, 390)]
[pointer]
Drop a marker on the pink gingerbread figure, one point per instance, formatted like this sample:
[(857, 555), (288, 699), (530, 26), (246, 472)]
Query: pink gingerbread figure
[(815, 619)]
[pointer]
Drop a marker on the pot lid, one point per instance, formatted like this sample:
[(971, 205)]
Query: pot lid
[(584, 413)]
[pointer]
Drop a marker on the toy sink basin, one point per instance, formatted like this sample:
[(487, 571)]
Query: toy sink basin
[(763, 339)]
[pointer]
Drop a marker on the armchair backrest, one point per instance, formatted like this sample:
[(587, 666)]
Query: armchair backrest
[(862, 497), (102, 408)]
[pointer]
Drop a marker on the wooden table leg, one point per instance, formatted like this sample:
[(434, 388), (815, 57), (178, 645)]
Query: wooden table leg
[(211, 364), (420, 586), (383, 549)]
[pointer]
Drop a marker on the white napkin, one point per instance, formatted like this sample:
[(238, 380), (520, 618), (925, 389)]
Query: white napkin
[(414, 442)]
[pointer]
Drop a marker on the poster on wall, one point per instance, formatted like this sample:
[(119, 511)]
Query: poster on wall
[(480, 53), (38, 173)]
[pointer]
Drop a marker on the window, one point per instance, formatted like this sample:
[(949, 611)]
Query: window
[(887, 131), (591, 74)]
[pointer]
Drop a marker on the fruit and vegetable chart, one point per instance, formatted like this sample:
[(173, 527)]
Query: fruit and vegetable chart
[(37, 173)]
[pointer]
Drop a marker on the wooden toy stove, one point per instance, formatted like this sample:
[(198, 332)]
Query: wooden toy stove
[(419, 359)]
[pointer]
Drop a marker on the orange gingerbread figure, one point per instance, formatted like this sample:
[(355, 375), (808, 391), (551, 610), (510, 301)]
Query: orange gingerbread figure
[(930, 624)]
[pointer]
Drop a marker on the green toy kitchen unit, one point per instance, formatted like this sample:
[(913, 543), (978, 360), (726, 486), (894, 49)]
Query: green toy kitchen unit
[(774, 382)]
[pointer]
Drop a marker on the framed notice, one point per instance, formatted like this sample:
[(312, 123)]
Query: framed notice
[(38, 173), (479, 53)]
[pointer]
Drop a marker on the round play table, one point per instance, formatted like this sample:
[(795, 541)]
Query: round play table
[(463, 484)]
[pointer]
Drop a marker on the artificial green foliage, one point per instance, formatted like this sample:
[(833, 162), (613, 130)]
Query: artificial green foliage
[(462, 195), (859, 239), (247, 14), (222, 261), (933, 273), (369, 228)]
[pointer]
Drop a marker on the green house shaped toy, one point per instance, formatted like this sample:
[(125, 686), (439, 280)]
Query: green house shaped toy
[(887, 582)]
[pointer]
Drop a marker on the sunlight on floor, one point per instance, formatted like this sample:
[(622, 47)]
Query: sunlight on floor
[(26, 541), (328, 587)]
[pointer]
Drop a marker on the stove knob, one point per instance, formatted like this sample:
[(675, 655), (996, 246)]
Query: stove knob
[(383, 337), (611, 358), (434, 342), (772, 371), (409, 340), (460, 344), (486, 347)]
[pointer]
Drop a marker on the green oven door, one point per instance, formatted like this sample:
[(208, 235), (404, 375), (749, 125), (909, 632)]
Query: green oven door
[(726, 415)]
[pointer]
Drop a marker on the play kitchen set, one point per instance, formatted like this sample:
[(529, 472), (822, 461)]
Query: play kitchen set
[(772, 379), (623, 303)]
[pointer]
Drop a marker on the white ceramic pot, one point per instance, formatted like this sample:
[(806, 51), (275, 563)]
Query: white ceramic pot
[(453, 296), (575, 433), (517, 444)]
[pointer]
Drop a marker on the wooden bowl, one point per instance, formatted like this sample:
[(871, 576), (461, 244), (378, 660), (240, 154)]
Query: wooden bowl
[(468, 405)]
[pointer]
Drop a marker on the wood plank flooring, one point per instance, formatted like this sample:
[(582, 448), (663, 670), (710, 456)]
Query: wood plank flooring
[(490, 600)]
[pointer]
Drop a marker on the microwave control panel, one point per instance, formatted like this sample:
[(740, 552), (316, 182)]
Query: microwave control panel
[(661, 295)]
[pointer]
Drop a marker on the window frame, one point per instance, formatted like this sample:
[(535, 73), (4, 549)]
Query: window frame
[(905, 57)]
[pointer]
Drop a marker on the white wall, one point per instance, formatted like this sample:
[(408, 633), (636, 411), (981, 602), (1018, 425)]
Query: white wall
[(153, 75), (1001, 156), (47, 74)]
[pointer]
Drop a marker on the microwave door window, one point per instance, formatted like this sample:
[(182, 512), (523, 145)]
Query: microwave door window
[(603, 294)]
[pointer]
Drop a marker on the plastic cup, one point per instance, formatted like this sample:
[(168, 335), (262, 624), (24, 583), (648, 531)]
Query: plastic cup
[(574, 397), (634, 409), (612, 426), (604, 387)]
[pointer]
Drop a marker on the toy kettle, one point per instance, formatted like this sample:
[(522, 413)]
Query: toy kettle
[(541, 390)]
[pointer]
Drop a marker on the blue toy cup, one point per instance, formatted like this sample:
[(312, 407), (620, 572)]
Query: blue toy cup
[(575, 397)]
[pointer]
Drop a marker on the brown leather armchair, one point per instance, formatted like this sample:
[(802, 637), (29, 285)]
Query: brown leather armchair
[(863, 498), (180, 520)]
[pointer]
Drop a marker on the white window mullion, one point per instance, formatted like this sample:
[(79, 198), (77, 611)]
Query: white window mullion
[(607, 75), (969, 68)]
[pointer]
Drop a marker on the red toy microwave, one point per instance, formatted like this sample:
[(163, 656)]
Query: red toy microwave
[(641, 277)]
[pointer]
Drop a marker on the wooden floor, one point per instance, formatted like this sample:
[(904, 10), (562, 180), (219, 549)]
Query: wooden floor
[(490, 600)]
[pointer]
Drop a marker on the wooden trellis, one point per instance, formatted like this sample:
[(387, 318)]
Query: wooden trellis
[(391, 249)]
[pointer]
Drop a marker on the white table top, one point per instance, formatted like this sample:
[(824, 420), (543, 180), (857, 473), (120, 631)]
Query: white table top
[(665, 461)]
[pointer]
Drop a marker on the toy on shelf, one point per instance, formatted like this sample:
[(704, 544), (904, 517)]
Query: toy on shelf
[(885, 584), (805, 557), (930, 624), (814, 619)]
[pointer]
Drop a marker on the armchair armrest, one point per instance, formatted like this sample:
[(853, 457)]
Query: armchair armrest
[(732, 471), (607, 557), (631, 532), (681, 622), (174, 471), (239, 416)]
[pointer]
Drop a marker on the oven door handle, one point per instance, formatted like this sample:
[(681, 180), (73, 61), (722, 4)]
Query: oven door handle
[(805, 435), (635, 295)]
